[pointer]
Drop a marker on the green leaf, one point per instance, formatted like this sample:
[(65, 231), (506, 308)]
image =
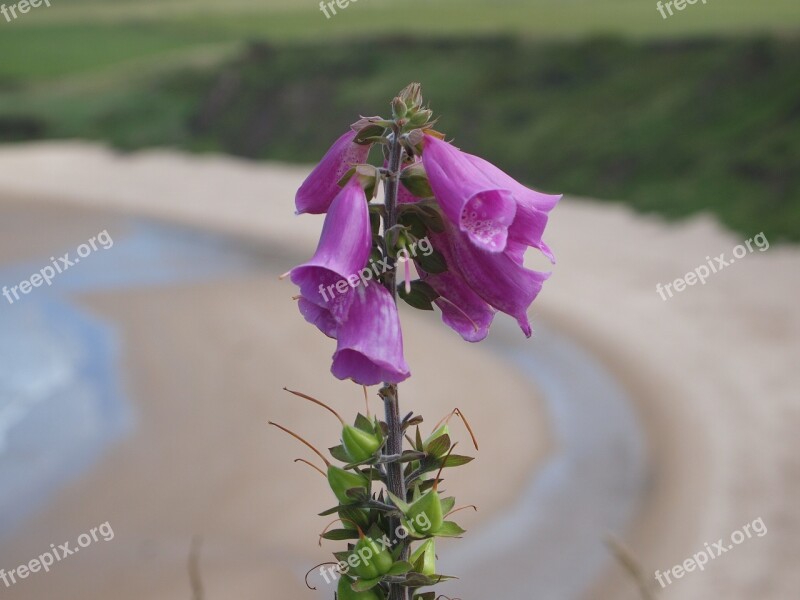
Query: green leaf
[(456, 460), (363, 585), (420, 580), (364, 424), (415, 297), (370, 131), (415, 224), (343, 555), (448, 504), (434, 262), (339, 453), (409, 455), (402, 505), (431, 216), (425, 596), (439, 446), (330, 511), (338, 535), (399, 568), (415, 180), (358, 494), (450, 529)]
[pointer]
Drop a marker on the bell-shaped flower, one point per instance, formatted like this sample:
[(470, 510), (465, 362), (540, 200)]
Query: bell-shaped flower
[(370, 341), (479, 207), (463, 310), (532, 206), (320, 187), (343, 250), (497, 277)]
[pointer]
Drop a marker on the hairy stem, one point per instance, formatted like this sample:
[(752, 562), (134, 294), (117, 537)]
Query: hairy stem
[(394, 443)]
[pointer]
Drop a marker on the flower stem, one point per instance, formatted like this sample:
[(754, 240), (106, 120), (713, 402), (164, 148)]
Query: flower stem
[(394, 443)]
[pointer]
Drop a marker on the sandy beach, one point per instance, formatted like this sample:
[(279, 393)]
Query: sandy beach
[(710, 373)]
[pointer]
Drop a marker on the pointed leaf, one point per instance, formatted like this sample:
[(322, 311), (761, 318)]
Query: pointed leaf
[(364, 424), (450, 529), (439, 446), (363, 585), (456, 460), (340, 534), (403, 506), (399, 568), (448, 504)]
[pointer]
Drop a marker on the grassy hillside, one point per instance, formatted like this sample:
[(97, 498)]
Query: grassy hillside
[(674, 116), (84, 36)]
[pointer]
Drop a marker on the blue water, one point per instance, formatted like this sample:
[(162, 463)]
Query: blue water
[(61, 401)]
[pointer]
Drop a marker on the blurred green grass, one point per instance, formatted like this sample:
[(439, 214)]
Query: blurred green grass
[(696, 112), (93, 34)]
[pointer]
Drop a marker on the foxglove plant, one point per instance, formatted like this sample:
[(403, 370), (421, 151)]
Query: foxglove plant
[(477, 222)]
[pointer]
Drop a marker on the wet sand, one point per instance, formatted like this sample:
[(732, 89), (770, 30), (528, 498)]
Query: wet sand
[(711, 372)]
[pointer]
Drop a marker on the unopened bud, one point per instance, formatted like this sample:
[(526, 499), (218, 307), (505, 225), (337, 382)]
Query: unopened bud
[(415, 180), (420, 118), (399, 108), (424, 558)]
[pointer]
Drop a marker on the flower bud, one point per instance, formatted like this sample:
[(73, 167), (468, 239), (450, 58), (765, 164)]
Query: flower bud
[(358, 444), (420, 118), (412, 95), (346, 592), (399, 108), (415, 181), (375, 560), (429, 507), (341, 481), (424, 558)]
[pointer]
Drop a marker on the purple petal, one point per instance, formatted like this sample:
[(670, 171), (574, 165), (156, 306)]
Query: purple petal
[(320, 187), (321, 317), (498, 278), (463, 310), (343, 250), (370, 348), (532, 206), (481, 209)]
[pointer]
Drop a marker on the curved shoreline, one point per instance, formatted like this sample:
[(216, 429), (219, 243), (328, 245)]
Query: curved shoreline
[(712, 373), (589, 488)]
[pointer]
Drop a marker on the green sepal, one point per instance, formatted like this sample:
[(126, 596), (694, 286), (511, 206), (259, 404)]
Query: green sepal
[(419, 296), (419, 580), (456, 460), (415, 180), (400, 568), (401, 504), (339, 453), (370, 131), (448, 504), (338, 535), (433, 263), (450, 529), (439, 446), (364, 585)]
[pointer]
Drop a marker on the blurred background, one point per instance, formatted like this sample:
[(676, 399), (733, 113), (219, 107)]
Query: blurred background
[(135, 389)]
